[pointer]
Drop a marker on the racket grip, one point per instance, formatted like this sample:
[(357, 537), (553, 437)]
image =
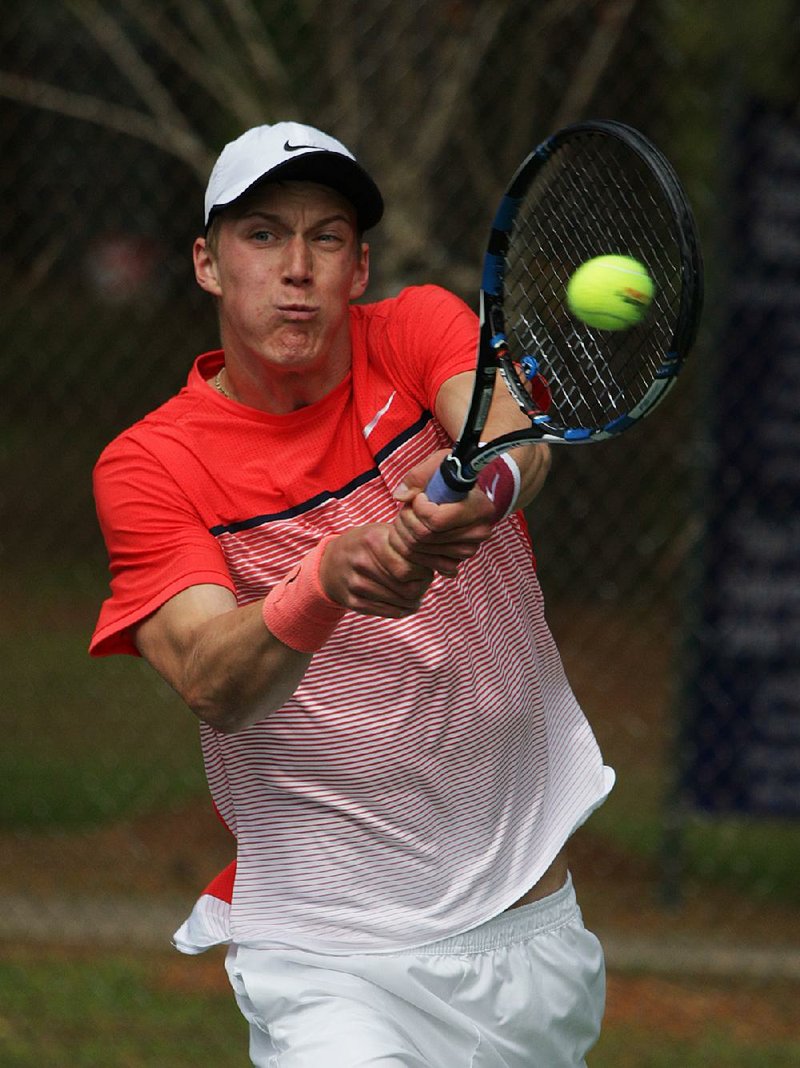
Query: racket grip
[(440, 492)]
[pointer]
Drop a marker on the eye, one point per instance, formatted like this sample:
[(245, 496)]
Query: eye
[(330, 238)]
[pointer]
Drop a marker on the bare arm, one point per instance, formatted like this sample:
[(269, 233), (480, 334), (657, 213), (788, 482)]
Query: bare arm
[(225, 663), (221, 659), (232, 671)]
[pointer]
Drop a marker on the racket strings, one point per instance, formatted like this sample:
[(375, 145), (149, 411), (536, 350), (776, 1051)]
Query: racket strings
[(594, 197)]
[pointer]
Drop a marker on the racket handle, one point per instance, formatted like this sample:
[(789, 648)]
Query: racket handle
[(441, 492)]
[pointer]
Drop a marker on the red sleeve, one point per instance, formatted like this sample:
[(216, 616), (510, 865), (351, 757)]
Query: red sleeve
[(221, 886), (157, 544), (433, 336)]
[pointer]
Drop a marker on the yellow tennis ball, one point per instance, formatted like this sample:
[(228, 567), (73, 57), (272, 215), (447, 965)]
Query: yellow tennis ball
[(610, 292)]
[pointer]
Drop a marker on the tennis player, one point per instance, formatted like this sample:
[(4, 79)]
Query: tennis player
[(386, 725)]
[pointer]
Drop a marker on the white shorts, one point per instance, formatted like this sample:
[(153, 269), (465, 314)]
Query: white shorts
[(524, 990)]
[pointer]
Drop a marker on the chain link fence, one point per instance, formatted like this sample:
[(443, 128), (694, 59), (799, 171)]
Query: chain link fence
[(112, 113)]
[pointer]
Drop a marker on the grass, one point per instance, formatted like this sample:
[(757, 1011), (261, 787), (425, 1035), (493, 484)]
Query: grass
[(637, 1047), (137, 1011), (96, 741), (93, 739), (754, 856), (111, 1011)]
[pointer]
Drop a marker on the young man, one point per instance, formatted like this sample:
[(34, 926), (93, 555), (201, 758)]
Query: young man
[(386, 726)]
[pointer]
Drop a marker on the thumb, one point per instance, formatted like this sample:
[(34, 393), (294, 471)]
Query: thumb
[(417, 478)]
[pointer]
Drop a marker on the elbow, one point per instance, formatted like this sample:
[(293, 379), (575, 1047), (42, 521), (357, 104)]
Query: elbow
[(230, 720), (224, 716), (231, 704), (223, 721)]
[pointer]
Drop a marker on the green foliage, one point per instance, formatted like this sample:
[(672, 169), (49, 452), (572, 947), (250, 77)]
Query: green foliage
[(111, 1011), (643, 1047), (755, 857), (93, 739), (754, 43)]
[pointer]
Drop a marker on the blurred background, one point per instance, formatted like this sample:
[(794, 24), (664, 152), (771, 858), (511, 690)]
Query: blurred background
[(670, 561)]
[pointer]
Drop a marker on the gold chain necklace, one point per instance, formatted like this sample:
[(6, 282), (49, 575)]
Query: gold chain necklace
[(218, 383)]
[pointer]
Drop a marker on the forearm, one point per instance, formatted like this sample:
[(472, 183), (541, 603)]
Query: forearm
[(234, 666), (229, 669), (534, 463)]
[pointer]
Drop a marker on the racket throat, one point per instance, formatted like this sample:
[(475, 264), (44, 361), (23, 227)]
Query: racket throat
[(457, 476)]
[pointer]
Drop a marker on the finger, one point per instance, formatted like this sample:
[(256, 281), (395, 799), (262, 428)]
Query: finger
[(359, 566), (474, 509), (418, 477), (445, 564), (388, 575), (421, 521), (382, 610), (376, 599), (392, 564)]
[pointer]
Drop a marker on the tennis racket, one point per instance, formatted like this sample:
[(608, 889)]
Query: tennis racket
[(591, 189)]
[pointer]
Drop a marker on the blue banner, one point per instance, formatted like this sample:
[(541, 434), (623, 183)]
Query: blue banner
[(743, 731)]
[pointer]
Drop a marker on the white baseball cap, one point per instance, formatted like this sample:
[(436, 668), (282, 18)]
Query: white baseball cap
[(291, 151)]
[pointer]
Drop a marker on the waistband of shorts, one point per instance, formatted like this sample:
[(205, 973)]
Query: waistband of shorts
[(509, 928)]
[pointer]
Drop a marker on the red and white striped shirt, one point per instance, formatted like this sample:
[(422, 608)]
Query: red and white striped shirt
[(426, 771)]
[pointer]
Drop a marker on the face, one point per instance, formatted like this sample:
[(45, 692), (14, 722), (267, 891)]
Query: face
[(287, 262)]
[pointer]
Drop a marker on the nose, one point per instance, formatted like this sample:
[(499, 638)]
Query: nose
[(297, 265)]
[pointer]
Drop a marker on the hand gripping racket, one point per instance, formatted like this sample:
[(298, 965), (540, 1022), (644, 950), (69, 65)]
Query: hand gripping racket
[(592, 189)]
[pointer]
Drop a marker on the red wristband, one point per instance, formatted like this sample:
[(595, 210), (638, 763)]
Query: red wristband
[(298, 611), (500, 481)]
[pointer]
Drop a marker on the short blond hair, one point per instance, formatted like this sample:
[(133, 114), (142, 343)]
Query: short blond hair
[(212, 235)]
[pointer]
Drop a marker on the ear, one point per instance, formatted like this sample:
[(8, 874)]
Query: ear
[(205, 267), (361, 276)]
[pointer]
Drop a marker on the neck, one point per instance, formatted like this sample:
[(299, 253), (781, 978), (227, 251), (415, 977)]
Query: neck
[(285, 369), (278, 391)]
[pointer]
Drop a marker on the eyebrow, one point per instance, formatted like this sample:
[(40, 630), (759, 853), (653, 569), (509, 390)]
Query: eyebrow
[(268, 216)]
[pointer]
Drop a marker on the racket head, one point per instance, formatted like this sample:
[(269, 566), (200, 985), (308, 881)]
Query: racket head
[(594, 188)]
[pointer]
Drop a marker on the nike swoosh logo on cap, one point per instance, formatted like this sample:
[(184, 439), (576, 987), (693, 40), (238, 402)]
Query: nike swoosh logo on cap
[(295, 148)]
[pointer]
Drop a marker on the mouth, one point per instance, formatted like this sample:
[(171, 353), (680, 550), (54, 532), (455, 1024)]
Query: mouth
[(297, 313)]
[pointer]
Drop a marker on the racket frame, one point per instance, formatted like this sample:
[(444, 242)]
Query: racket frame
[(459, 470)]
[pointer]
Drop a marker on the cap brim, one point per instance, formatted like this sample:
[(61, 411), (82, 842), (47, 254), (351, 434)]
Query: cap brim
[(333, 170)]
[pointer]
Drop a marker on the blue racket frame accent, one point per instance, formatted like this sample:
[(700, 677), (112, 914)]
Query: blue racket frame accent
[(506, 213), (492, 278)]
